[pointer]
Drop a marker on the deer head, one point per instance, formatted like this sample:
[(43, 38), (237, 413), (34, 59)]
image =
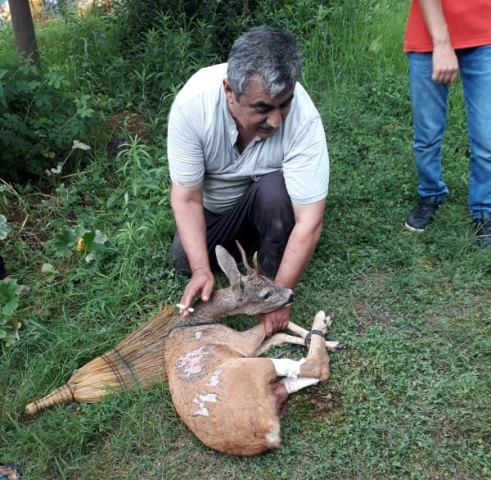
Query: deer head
[(252, 293)]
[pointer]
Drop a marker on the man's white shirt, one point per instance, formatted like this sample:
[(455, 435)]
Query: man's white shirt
[(201, 145)]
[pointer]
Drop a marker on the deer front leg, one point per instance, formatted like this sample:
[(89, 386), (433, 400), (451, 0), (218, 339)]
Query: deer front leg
[(317, 362), (332, 346), (247, 342), (279, 339)]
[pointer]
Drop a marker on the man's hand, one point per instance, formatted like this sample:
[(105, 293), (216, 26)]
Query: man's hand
[(275, 321), (445, 64), (201, 281)]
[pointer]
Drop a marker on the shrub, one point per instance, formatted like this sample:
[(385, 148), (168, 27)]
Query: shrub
[(40, 116), (137, 18)]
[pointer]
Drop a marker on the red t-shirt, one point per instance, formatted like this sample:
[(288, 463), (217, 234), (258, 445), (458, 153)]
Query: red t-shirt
[(468, 22)]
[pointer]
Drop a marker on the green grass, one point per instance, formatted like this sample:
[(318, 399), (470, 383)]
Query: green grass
[(408, 398)]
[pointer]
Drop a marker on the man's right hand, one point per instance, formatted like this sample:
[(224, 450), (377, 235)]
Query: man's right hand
[(202, 281), (445, 64)]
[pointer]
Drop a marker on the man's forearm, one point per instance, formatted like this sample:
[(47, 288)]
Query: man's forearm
[(298, 252), (435, 21), (191, 226)]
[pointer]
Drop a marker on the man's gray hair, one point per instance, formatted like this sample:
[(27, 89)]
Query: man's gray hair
[(268, 52)]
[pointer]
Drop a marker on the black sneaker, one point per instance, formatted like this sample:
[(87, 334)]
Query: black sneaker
[(422, 214), (483, 229)]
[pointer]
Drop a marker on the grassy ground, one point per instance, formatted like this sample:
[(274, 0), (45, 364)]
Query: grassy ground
[(409, 398)]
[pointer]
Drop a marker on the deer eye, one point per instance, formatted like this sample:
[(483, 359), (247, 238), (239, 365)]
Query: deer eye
[(267, 294)]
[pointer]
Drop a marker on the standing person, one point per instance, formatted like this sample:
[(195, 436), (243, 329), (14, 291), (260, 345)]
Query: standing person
[(248, 161), (442, 38)]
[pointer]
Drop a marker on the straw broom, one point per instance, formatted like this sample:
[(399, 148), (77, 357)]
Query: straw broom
[(138, 359)]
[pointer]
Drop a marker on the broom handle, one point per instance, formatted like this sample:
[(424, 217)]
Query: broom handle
[(59, 396)]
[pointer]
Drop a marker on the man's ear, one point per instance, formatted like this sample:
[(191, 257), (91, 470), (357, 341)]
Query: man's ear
[(229, 266), (229, 93)]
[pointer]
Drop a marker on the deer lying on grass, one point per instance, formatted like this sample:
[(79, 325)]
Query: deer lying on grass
[(226, 395)]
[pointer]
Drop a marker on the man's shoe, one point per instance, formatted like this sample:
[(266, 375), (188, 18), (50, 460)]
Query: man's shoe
[(483, 229), (422, 214)]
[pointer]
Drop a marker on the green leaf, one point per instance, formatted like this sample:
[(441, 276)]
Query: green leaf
[(8, 290), (9, 308), (88, 238), (100, 238), (110, 201), (63, 243), (48, 268), (4, 228)]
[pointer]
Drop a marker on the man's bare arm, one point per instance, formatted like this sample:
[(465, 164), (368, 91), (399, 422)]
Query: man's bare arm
[(187, 205), (298, 252), (445, 63)]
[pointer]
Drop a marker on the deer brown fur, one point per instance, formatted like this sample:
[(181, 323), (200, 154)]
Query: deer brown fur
[(220, 389)]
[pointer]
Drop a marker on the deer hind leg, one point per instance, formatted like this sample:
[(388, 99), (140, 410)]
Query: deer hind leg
[(316, 365), (293, 381)]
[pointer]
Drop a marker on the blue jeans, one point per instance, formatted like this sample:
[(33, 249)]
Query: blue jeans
[(429, 103)]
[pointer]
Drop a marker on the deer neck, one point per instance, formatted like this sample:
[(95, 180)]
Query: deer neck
[(221, 304)]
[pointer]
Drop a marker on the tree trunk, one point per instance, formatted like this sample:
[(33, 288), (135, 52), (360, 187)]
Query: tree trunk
[(25, 37), (245, 8)]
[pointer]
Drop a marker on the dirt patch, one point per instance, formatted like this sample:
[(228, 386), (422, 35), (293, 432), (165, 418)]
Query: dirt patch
[(130, 122), (324, 404), (368, 312)]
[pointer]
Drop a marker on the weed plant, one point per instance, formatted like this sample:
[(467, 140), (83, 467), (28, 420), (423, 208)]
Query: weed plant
[(408, 398)]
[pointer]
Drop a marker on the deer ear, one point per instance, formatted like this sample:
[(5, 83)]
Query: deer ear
[(228, 265)]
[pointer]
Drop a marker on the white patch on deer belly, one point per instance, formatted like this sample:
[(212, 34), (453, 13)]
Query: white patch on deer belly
[(192, 362), (215, 378), (209, 397), (201, 400), (202, 411), (198, 335)]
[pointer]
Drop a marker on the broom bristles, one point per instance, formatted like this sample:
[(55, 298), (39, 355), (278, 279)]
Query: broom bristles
[(138, 359)]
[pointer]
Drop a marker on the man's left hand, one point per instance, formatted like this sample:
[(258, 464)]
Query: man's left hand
[(275, 321)]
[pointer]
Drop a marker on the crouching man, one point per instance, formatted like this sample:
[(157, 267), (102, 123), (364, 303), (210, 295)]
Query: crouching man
[(248, 161)]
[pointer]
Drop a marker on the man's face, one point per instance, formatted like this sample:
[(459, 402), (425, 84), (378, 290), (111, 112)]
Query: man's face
[(256, 113)]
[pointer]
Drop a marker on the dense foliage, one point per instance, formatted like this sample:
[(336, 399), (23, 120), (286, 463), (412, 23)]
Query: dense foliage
[(40, 116)]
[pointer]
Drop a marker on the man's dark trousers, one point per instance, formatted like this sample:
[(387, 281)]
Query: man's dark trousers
[(262, 219)]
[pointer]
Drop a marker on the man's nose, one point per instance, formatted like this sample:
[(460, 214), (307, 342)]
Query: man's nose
[(274, 119)]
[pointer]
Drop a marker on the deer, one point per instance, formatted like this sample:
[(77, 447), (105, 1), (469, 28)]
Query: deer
[(230, 398)]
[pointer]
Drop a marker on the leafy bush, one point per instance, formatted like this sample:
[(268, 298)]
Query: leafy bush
[(40, 116), (9, 301), (137, 18), (4, 228)]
